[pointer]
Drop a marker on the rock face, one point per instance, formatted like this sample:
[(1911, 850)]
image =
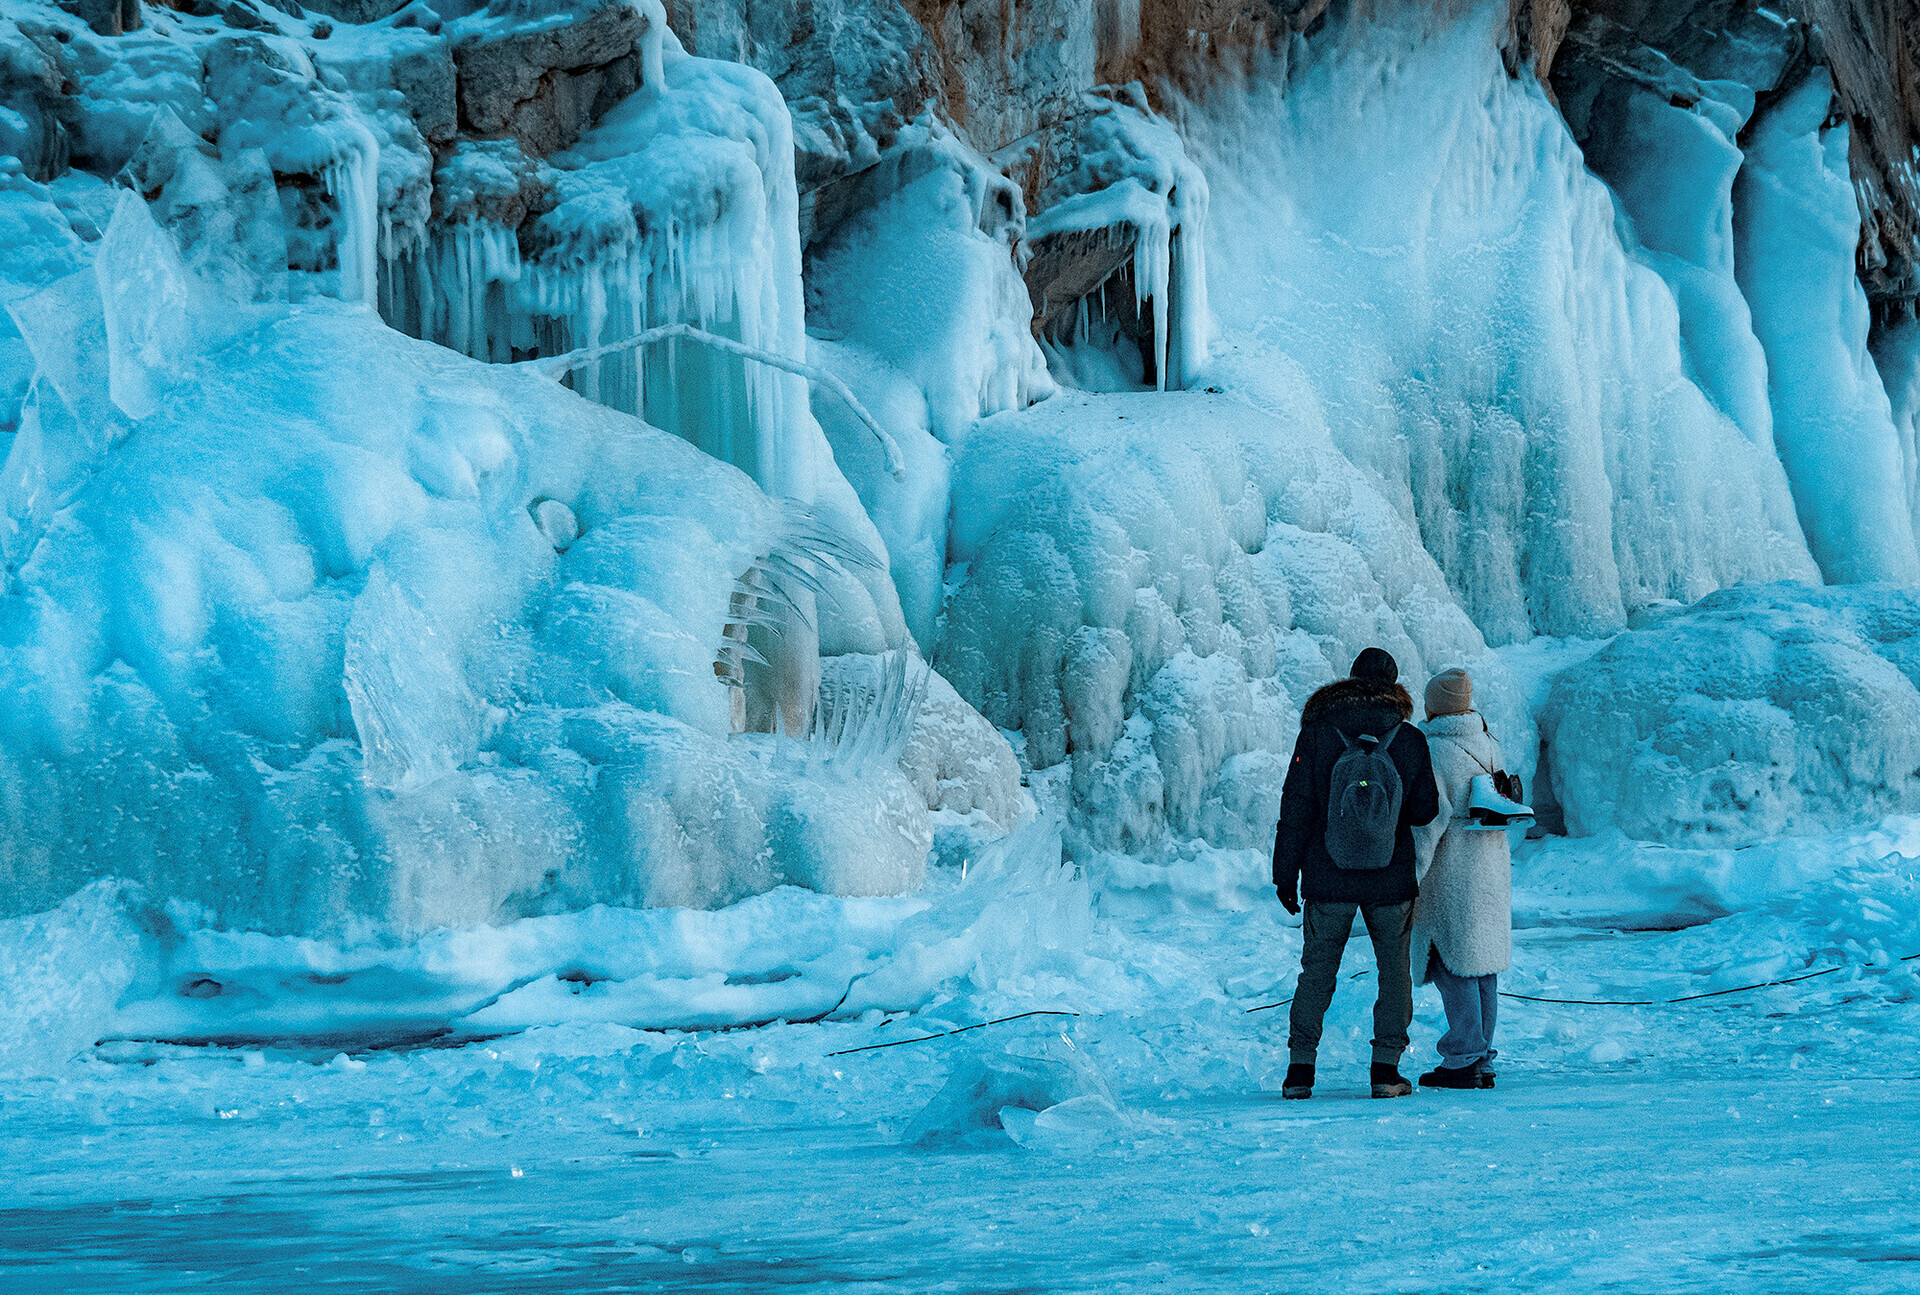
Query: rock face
[(543, 83), (1872, 48)]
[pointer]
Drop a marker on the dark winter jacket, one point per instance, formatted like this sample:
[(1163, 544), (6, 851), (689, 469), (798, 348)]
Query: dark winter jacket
[(1353, 707)]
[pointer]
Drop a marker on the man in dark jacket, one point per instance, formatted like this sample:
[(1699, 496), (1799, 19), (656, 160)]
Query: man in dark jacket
[(1369, 702)]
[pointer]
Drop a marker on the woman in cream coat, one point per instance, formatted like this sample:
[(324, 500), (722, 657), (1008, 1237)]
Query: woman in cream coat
[(1463, 919)]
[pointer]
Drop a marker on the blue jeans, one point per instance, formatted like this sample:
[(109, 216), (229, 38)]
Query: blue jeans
[(1472, 1004)]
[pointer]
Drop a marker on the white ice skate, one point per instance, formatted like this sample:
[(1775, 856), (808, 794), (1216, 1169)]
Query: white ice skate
[(1489, 811)]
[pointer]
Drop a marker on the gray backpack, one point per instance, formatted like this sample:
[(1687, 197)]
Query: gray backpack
[(1363, 804)]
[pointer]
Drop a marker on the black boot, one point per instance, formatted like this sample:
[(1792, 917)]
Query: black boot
[(1299, 1082), (1387, 1081), (1453, 1077)]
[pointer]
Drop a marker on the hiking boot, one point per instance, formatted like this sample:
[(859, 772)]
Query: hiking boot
[(1298, 1084), (1388, 1082), (1454, 1077)]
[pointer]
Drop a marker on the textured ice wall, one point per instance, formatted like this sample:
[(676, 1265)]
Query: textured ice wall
[(1421, 235), (1152, 585), (1798, 224)]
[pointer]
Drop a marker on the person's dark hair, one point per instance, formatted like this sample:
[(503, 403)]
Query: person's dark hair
[(1377, 664)]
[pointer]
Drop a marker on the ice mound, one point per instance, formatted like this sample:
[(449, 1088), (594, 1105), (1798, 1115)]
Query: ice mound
[(315, 624), (1760, 710), (1152, 584), (1860, 883), (1420, 234)]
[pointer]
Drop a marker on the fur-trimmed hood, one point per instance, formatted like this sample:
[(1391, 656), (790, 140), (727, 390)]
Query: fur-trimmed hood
[(1343, 694)]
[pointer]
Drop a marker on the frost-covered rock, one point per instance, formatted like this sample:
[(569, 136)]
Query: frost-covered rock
[(1117, 268), (925, 278), (1760, 710), (542, 74)]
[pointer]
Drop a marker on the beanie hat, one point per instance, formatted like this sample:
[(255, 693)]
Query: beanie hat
[(1376, 664), (1450, 693)]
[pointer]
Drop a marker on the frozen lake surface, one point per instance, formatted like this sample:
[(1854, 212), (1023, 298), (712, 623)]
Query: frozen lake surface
[(1757, 1182), (1764, 1141)]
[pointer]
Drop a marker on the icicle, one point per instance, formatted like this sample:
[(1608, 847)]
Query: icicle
[(653, 37), (354, 183)]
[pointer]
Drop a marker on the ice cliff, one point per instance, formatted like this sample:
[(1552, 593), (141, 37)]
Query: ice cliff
[(470, 462)]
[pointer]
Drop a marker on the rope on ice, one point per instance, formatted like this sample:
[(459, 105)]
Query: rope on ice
[(927, 1038), (1264, 1007), (1638, 1002), (558, 366)]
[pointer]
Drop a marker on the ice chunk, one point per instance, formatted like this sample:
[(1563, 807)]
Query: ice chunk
[(1054, 1100), (225, 217), (150, 308), (557, 522), (417, 716)]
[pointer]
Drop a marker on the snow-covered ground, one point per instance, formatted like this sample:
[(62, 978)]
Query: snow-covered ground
[(1763, 1141)]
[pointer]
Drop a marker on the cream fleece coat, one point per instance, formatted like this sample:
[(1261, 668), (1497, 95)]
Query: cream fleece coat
[(1465, 908)]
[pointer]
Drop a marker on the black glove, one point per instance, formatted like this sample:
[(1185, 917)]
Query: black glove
[(1287, 899)]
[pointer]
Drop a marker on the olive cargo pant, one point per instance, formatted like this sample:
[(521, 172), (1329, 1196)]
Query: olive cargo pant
[(1324, 929)]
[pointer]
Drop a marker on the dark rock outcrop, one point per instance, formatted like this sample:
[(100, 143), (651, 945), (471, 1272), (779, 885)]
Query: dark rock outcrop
[(1872, 48), (544, 83)]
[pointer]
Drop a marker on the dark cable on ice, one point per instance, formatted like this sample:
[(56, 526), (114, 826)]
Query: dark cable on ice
[(1267, 1007), (1640, 1002), (928, 1038)]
